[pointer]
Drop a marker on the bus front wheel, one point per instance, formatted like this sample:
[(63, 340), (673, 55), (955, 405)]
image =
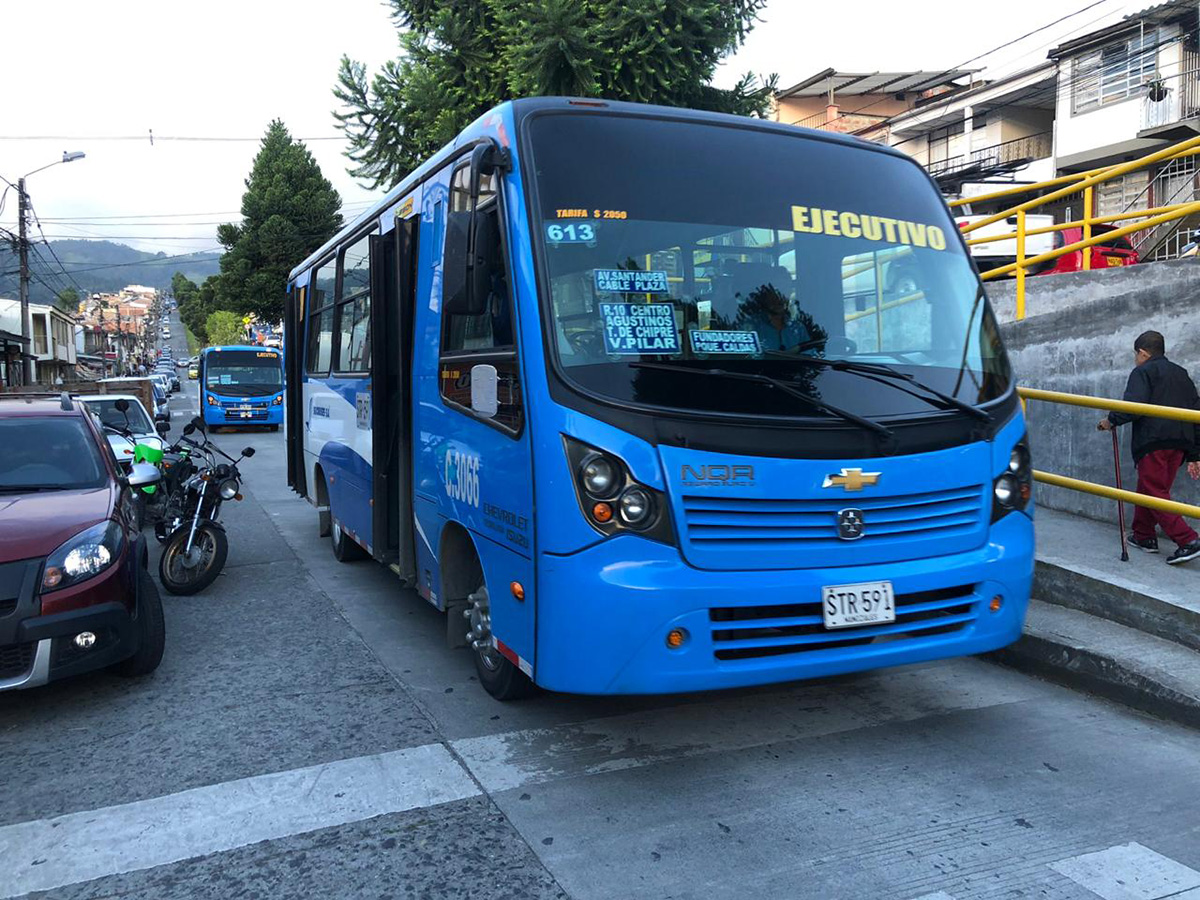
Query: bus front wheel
[(499, 676), (344, 547)]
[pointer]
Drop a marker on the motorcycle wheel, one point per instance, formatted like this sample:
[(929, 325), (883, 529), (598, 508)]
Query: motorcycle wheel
[(182, 574)]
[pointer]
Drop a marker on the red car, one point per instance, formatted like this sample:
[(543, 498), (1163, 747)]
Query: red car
[(1107, 255), (75, 591)]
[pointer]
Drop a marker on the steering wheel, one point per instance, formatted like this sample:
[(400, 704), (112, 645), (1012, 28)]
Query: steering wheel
[(586, 343)]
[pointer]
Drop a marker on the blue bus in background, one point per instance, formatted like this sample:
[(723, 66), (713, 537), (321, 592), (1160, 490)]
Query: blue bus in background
[(649, 400), (241, 385)]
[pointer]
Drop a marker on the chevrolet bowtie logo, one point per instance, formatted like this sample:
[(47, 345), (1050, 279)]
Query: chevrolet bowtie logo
[(851, 479)]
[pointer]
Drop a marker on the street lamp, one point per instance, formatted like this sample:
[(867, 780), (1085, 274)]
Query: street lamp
[(23, 250)]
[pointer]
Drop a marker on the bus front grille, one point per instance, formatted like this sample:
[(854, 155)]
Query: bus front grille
[(752, 632)]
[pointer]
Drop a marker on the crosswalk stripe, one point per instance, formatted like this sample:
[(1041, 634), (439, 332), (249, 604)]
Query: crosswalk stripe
[(50, 853), (1130, 872)]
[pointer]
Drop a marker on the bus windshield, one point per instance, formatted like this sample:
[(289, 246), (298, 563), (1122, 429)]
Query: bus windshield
[(676, 251), (243, 373)]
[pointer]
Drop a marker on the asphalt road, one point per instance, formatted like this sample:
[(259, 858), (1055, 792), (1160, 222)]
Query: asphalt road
[(309, 735)]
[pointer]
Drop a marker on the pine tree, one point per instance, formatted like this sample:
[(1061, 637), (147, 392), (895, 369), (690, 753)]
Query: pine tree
[(461, 57), (289, 209)]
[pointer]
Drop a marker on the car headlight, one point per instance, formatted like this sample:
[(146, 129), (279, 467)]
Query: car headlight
[(84, 556), (228, 489)]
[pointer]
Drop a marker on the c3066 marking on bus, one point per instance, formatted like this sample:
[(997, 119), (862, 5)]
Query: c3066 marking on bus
[(461, 471)]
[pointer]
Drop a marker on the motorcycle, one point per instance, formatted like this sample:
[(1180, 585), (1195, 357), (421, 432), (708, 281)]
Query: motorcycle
[(195, 543)]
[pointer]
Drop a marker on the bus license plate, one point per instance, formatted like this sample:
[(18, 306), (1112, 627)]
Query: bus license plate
[(848, 605)]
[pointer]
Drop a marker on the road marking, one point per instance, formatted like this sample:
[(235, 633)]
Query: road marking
[(517, 758), (1130, 872), (50, 853), (939, 895)]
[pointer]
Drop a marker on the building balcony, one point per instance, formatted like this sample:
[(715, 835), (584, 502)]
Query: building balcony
[(995, 159), (1171, 108)]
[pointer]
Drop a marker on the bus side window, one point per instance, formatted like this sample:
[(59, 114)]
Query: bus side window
[(354, 308), (320, 322), (487, 338)]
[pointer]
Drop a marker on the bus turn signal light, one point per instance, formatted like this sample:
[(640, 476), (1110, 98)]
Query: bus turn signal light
[(676, 638), (602, 512), (518, 590), (996, 603)]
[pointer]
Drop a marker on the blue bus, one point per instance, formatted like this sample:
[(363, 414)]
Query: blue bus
[(650, 400), (241, 385)]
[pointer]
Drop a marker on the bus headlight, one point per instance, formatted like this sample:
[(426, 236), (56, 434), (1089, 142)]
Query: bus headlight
[(212, 401), (611, 499), (228, 489), (1013, 488), (278, 401), (599, 476), (635, 507)]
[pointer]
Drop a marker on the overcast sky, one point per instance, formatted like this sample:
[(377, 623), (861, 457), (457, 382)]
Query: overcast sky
[(80, 70)]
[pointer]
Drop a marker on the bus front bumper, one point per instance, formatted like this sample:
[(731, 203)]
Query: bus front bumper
[(611, 637)]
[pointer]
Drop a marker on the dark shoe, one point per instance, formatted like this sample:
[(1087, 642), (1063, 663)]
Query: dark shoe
[(1183, 554), (1150, 545)]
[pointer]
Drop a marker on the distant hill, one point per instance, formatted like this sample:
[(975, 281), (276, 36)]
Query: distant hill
[(99, 266)]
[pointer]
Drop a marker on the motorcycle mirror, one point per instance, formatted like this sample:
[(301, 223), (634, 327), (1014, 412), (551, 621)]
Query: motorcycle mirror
[(198, 422), (121, 405), (189, 428), (162, 428), (248, 452)]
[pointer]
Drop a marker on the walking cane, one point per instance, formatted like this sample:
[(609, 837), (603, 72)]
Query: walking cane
[(1120, 504)]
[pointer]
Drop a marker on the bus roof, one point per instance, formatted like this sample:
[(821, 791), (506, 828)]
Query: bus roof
[(522, 108), (273, 350)]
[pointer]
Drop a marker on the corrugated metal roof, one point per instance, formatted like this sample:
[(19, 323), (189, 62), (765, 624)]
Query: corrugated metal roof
[(1151, 15), (851, 84)]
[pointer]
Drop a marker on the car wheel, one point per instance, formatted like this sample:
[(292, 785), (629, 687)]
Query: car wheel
[(150, 628)]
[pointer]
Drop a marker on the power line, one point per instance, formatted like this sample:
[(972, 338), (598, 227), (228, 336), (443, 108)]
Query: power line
[(37, 222)]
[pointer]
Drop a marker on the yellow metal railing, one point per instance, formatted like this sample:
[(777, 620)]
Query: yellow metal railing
[(1124, 406), (1083, 183)]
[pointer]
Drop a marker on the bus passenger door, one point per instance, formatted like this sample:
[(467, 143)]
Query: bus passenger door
[(474, 455), (293, 398), (393, 271)]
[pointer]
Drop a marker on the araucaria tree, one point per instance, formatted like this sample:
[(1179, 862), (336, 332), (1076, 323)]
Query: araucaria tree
[(461, 57), (289, 209)]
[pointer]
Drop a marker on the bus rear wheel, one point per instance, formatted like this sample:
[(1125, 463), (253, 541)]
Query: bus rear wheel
[(499, 676)]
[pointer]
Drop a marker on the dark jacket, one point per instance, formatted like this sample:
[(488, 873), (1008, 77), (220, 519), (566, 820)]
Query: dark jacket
[(1161, 382)]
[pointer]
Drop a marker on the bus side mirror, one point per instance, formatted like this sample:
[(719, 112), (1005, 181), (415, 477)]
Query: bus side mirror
[(483, 391)]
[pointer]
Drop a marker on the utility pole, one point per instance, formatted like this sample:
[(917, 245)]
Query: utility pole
[(23, 254)]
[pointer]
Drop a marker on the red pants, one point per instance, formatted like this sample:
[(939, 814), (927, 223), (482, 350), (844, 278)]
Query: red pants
[(1156, 473)]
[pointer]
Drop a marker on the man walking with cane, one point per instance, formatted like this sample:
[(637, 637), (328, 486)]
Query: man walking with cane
[(1160, 446)]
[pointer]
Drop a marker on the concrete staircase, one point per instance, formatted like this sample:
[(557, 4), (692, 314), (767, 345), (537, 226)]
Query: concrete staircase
[(1128, 631)]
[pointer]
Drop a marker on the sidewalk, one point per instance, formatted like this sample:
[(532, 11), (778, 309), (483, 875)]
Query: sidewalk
[(1129, 631)]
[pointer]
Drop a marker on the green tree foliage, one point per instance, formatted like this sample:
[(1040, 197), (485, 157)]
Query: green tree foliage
[(196, 302), (68, 300), (289, 210), (224, 327), (461, 57)]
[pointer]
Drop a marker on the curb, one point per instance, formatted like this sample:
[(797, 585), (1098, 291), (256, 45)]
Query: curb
[(1100, 674)]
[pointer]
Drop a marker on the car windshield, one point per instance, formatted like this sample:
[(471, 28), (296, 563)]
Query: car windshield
[(243, 373), (47, 454), (138, 422), (674, 250)]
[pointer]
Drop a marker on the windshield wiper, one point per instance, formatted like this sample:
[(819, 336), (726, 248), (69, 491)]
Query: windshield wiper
[(880, 372), (780, 383), (29, 488)]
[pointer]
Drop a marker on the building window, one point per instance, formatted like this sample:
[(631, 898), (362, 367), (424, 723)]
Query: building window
[(40, 346), (1115, 72)]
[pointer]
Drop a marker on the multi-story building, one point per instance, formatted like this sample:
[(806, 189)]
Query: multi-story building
[(52, 339)]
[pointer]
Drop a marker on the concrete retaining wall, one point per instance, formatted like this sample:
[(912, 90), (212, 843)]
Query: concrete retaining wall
[(1078, 337)]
